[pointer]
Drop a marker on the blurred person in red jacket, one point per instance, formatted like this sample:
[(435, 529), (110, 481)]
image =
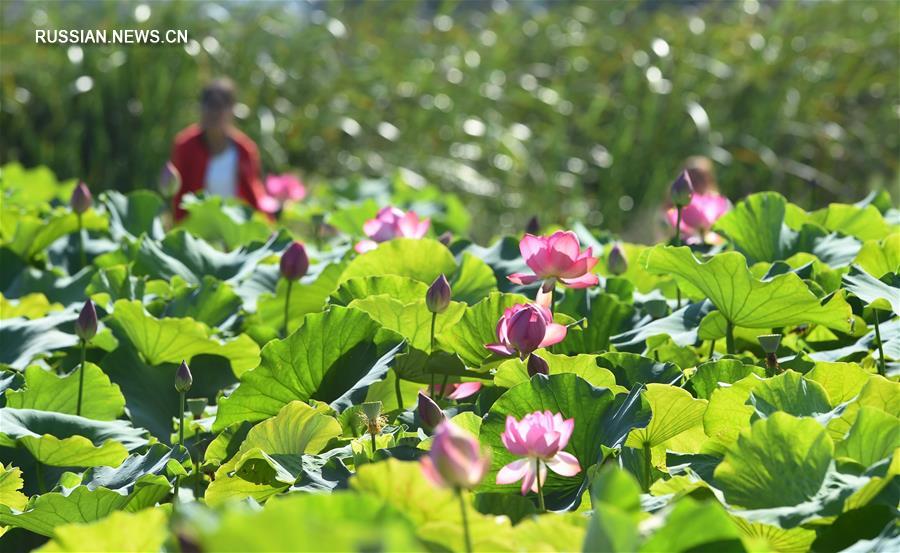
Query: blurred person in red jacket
[(215, 157)]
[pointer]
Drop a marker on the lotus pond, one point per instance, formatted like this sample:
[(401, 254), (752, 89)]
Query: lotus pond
[(355, 375)]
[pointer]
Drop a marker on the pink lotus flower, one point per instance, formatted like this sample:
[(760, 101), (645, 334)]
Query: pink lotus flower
[(459, 390), (524, 328), (389, 223), (279, 189), (698, 216), (455, 459), (556, 257), (539, 439)]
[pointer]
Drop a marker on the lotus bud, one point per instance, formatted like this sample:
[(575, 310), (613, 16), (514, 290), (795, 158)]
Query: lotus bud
[(438, 297), (446, 238), (537, 365), (169, 180), (526, 331), (430, 414), (294, 262), (86, 325), (183, 378), (81, 199), (616, 262), (682, 189), (533, 226), (456, 459)]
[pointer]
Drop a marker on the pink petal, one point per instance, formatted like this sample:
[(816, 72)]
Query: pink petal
[(269, 204), (513, 472), (364, 246), (543, 477), (554, 334), (465, 389), (544, 299), (430, 472), (528, 482), (585, 281), (565, 431), (522, 278), (531, 246), (564, 464), (500, 349)]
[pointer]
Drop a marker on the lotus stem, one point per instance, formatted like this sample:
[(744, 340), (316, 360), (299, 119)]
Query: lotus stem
[(374, 446), (881, 368), (771, 364), (465, 519), (647, 470), (712, 349), (181, 421), (433, 320), (287, 305), (398, 392), (729, 337), (197, 478), (81, 378), (81, 242), (541, 506), (678, 243)]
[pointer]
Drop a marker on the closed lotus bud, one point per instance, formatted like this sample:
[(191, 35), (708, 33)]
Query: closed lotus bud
[(446, 238), (682, 189), (456, 459), (533, 226), (86, 325), (438, 297), (526, 330), (537, 365), (430, 414), (81, 199), (616, 262), (294, 262), (183, 378), (169, 180)]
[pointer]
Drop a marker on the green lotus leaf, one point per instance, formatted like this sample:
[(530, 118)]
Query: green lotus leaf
[(751, 477), (743, 300), (615, 496), (33, 187), (841, 381), (10, 484), (712, 374), (568, 395), (422, 260), (309, 295), (880, 257), (694, 525), (268, 460), (790, 393), (402, 289), (608, 317), (767, 537), (683, 327), (24, 340), (33, 234), (234, 223), (878, 294), (136, 468), (333, 357), (515, 371), (119, 532), (756, 227), (877, 392), (58, 439), (133, 214), (864, 223), (212, 302), (171, 340), (343, 521), (30, 306), (411, 320), (477, 327), (631, 369), (674, 411), (47, 391), (873, 437), (728, 412), (473, 280)]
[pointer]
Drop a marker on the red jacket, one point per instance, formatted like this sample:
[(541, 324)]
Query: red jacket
[(190, 156)]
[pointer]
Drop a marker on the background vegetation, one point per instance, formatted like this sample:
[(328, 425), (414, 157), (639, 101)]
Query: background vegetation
[(577, 111)]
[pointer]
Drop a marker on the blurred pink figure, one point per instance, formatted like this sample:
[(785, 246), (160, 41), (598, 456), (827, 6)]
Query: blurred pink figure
[(280, 189), (391, 222), (699, 216)]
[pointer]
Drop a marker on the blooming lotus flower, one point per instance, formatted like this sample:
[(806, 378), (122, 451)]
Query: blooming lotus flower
[(556, 257), (389, 223), (279, 189), (698, 216), (524, 328), (539, 439), (455, 459), (458, 390)]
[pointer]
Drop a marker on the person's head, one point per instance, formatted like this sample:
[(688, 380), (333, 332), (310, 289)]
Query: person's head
[(216, 105), (703, 175)]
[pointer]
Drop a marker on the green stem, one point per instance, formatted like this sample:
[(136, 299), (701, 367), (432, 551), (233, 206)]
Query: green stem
[(374, 447), (541, 506), (175, 494), (39, 474), (287, 304), (881, 369), (647, 471), (197, 478), (81, 378), (81, 242), (678, 243), (712, 349), (444, 386), (181, 421), (431, 352), (398, 392), (465, 520), (729, 337)]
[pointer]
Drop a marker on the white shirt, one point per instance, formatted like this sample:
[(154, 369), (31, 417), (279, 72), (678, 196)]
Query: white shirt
[(221, 173)]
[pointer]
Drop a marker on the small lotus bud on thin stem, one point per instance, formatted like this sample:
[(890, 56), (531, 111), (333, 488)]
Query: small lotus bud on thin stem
[(86, 325), (682, 189), (81, 199), (438, 297)]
